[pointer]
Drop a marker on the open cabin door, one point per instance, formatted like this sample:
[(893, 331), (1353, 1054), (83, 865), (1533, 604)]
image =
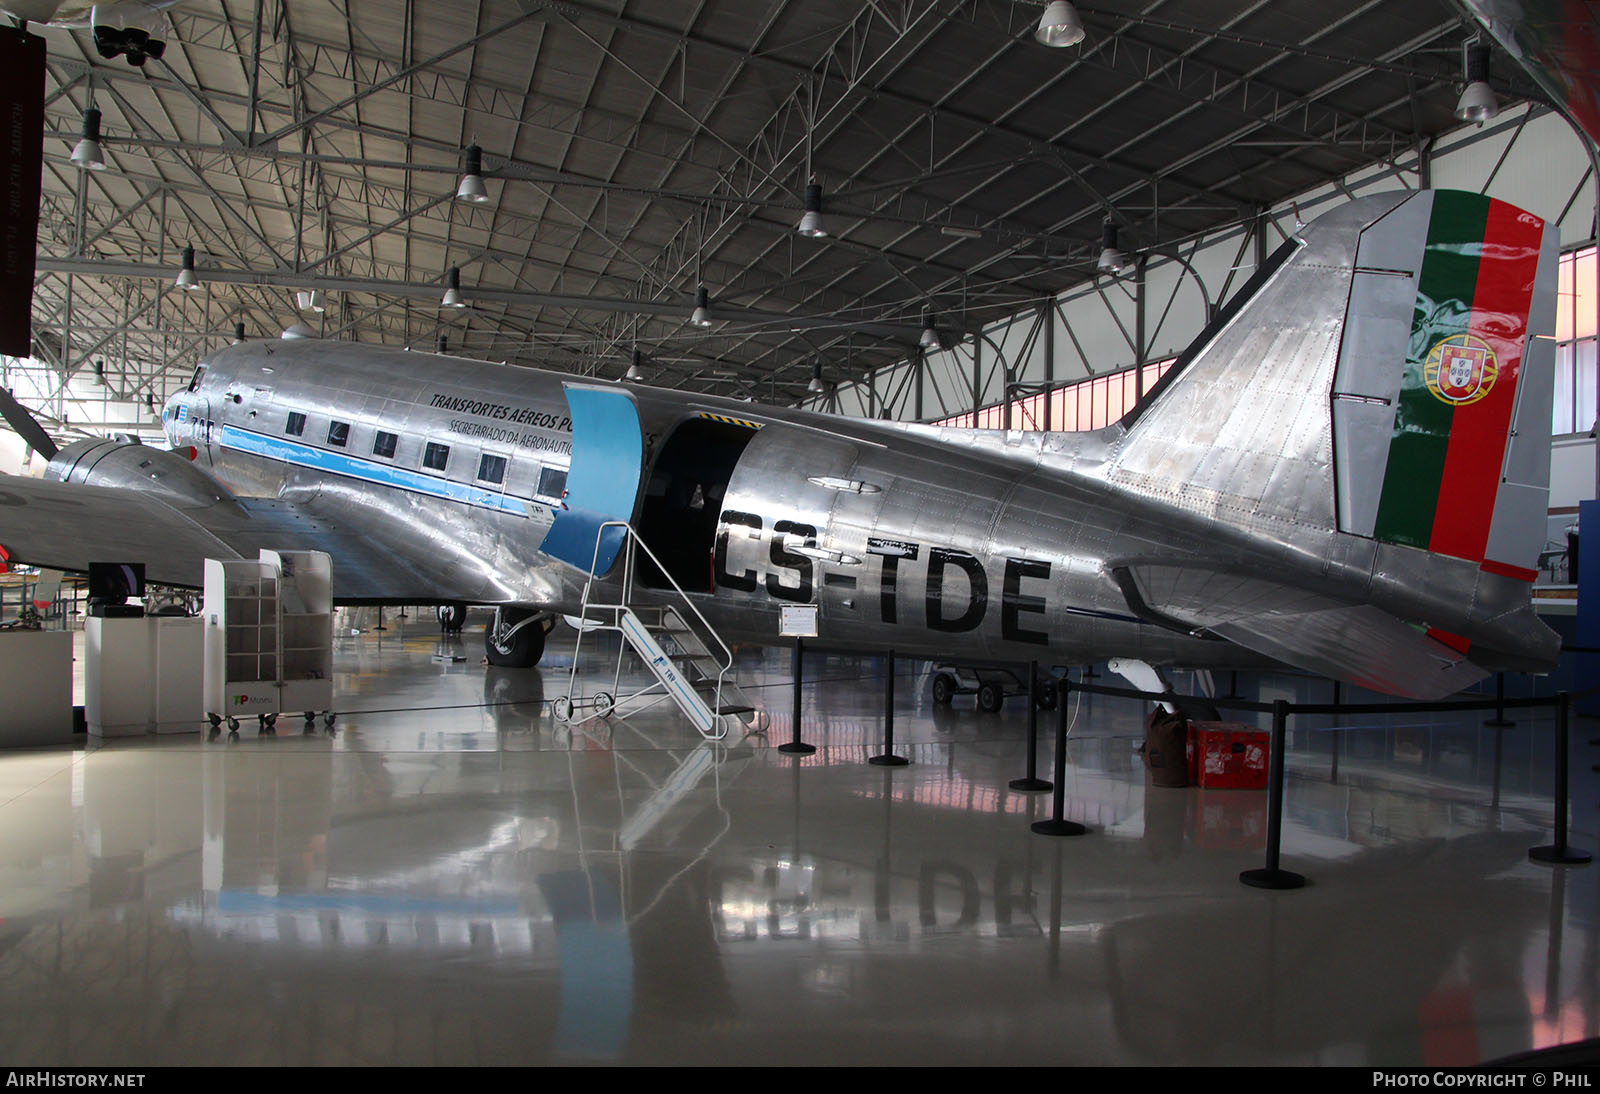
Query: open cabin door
[(603, 480), (683, 499)]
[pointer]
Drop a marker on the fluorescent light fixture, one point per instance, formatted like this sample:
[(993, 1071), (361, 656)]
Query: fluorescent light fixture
[(87, 153), (187, 281), (811, 220), (310, 300), (957, 232), (1059, 26), (701, 316), (471, 188)]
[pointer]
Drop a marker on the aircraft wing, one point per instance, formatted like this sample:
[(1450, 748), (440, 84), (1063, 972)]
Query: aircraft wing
[(68, 525), (1361, 643)]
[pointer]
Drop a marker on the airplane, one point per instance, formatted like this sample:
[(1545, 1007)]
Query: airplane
[(1346, 473), (125, 28)]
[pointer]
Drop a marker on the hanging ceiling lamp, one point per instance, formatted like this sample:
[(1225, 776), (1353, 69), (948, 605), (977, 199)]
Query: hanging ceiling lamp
[(811, 220), (1059, 26), (1477, 102), (86, 154), (472, 188), (187, 281), (1112, 260), (452, 289), (701, 316)]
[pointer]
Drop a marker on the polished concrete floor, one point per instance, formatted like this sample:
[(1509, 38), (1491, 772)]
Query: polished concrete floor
[(453, 877)]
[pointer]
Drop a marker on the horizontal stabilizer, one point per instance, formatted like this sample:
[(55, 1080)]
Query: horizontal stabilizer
[(1358, 643)]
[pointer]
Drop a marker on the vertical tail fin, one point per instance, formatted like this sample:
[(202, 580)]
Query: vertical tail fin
[(1389, 376)]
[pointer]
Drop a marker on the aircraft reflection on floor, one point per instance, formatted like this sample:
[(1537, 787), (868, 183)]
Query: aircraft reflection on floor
[(463, 885)]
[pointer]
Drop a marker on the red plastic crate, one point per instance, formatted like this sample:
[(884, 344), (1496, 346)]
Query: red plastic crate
[(1230, 755)]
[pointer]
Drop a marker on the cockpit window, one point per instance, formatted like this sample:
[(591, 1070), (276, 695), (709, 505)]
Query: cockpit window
[(194, 381)]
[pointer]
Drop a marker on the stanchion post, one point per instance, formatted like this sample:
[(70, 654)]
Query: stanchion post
[(1270, 876), (1031, 783), (1499, 721), (887, 758), (796, 746), (1058, 825), (1558, 853)]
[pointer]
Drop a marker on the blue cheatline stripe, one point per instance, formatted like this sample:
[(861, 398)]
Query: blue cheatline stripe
[(379, 474)]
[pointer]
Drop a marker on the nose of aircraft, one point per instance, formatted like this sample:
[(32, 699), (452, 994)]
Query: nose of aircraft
[(174, 417)]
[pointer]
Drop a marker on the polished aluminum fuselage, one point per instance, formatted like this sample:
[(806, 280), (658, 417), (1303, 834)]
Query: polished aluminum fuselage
[(904, 537), (927, 541)]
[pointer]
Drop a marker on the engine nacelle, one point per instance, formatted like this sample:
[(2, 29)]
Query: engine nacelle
[(129, 465)]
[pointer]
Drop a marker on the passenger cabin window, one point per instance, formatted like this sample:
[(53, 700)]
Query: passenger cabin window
[(296, 426), (338, 434), (492, 468), (383, 445), (552, 482), (435, 456)]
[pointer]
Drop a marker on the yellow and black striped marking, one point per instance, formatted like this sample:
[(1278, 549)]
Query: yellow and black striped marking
[(730, 421)]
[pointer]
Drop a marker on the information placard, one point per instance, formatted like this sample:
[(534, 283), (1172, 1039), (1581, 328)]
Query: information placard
[(798, 621)]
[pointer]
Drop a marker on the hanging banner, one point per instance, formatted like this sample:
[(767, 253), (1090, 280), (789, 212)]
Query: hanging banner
[(22, 105)]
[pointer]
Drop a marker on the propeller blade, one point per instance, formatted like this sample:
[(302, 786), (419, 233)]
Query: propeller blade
[(26, 425)]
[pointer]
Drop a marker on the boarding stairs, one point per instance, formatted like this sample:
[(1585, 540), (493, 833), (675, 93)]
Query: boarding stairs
[(691, 664)]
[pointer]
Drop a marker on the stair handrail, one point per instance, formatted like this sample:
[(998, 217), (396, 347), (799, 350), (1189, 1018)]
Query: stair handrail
[(630, 540)]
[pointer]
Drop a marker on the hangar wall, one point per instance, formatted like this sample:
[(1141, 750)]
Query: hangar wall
[(1529, 156)]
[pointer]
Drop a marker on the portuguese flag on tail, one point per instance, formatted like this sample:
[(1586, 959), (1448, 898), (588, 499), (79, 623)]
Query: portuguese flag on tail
[(1453, 415)]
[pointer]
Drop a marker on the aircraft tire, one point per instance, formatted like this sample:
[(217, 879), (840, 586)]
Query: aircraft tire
[(451, 617), (944, 689), (524, 648), (1047, 695), (991, 697)]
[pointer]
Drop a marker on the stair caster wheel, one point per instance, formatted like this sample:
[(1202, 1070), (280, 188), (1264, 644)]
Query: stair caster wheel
[(216, 725), (267, 723), (233, 724), (327, 719), (603, 704), (561, 709)]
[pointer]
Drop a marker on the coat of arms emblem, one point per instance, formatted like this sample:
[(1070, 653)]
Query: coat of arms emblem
[(1460, 369)]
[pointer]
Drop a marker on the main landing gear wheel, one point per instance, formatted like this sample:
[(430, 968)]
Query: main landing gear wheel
[(991, 697), (515, 640), (944, 689), (451, 617)]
